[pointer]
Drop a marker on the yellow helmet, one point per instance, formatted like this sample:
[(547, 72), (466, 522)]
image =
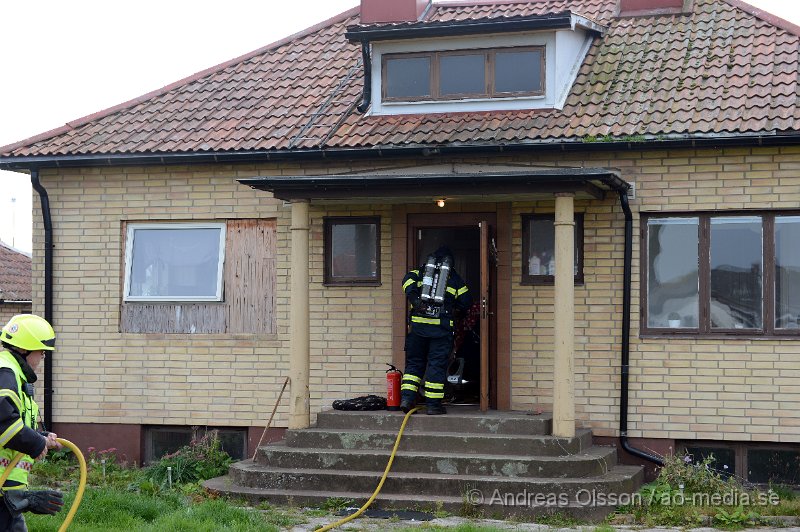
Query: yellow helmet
[(29, 332)]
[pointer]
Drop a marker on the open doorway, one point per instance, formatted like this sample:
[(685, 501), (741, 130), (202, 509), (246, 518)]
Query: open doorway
[(463, 373)]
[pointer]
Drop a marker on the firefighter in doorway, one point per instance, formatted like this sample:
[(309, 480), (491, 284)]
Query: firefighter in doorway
[(436, 294)]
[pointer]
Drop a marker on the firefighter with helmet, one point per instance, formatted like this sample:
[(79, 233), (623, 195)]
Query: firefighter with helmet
[(25, 338), (435, 292)]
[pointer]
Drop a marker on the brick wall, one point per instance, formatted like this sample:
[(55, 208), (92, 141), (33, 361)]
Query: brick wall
[(682, 388), (7, 310)]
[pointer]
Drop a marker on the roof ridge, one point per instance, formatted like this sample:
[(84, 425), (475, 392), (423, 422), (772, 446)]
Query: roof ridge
[(766, 16), (74, 124)]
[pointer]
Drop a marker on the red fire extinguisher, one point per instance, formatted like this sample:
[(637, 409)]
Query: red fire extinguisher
[(393, 377)]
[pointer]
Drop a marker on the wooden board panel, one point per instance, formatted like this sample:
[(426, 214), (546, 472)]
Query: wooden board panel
[(170, 318), (250, 276)]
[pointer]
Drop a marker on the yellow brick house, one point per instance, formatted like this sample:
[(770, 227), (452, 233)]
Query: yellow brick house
[(619, 180)]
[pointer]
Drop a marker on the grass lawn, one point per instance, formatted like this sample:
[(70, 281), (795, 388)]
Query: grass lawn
[(109, 509)]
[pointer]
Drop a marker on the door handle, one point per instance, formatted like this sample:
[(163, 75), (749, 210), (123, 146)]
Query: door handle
[(484, 308)]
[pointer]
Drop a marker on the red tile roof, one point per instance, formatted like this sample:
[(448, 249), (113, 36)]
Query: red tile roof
[(15, 275), (723, 70)]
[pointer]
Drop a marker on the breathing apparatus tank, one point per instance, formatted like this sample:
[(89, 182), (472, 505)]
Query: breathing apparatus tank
[(428, 279), (441, 285), (434, 285)]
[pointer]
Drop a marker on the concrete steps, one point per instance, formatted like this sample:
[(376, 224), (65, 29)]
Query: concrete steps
[(587, 463), (467, 462)]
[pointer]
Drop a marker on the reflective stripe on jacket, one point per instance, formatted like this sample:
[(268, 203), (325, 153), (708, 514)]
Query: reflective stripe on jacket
[(28, 411)]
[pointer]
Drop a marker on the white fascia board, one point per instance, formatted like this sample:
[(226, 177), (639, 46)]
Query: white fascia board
[(587, 24)]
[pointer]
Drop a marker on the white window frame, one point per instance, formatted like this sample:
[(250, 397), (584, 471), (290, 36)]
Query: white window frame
[(132, 228)]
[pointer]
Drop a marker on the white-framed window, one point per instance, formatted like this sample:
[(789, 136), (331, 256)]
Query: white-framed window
[(174, 262)]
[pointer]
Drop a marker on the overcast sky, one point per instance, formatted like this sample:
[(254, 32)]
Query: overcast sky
[(61, 60)]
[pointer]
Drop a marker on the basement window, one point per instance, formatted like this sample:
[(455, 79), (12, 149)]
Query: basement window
[(352, 251), (464, 74), (757, 463), (163, 440), (174, 262)]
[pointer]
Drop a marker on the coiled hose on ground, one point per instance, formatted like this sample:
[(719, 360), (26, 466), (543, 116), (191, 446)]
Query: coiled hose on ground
[(81, 485), (380, 484)]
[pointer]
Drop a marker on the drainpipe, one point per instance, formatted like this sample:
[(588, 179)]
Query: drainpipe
[(626, 336), (367, 95), (48, 292)]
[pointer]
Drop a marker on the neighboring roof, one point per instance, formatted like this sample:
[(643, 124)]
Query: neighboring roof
[(15, 275), (725, 70)]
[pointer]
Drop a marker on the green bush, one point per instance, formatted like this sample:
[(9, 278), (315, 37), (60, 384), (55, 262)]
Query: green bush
[(200, 460)]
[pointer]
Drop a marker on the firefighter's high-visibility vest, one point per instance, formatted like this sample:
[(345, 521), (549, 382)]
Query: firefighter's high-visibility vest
[(28, 412)]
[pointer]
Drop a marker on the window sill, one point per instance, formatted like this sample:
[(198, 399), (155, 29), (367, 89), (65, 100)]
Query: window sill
[(350, 284), (718, 336), (546, 282)]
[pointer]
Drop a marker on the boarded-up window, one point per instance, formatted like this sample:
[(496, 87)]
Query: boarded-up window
[(248, 292)]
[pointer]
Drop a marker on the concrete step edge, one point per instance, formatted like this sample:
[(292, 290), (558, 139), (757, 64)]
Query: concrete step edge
[(580, 433), (614, 474), (595, 452)]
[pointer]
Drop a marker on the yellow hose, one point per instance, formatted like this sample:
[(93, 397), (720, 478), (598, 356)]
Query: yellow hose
[(380, 484), (81, 486)]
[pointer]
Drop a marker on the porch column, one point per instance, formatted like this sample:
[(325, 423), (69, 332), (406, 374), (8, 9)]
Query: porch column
[(563, 364), (299, 403)]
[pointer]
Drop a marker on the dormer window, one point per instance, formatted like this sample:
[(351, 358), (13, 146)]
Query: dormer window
[(414, 65), (464, 74)]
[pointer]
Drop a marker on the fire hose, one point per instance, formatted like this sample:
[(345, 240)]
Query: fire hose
[(380, 484), (81, 485)]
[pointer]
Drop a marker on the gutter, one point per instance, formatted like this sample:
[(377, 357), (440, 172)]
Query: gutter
[(262, 156), (48, 291), (626, 336)]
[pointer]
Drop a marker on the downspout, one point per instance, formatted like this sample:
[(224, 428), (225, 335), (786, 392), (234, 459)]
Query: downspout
[(48, 291), (626, 335), (367, 94)]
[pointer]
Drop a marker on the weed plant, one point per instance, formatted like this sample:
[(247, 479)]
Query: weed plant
[(690, 494)]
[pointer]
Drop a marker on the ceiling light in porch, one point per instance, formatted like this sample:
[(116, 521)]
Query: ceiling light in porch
[(440, 202)]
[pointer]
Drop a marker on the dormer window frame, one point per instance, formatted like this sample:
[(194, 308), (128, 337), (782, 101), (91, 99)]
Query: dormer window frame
[(545, 100), (489, 77)]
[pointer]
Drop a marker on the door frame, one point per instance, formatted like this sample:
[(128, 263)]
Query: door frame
[(404, 226)]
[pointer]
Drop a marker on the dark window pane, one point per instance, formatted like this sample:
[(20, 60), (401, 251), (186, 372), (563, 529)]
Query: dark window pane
[(541, 258), (787, 272), (673, 298), (736, 271), (724, 458), (462, 74), (168, 441), (769, 465), (233, 443), (353, 252), (518, 71), (408, 77)]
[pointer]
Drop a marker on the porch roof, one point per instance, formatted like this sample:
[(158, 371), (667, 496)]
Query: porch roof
[(589, 183)]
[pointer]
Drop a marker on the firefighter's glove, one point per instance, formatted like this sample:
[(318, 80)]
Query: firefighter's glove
[(38, 502), (416, 302)]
